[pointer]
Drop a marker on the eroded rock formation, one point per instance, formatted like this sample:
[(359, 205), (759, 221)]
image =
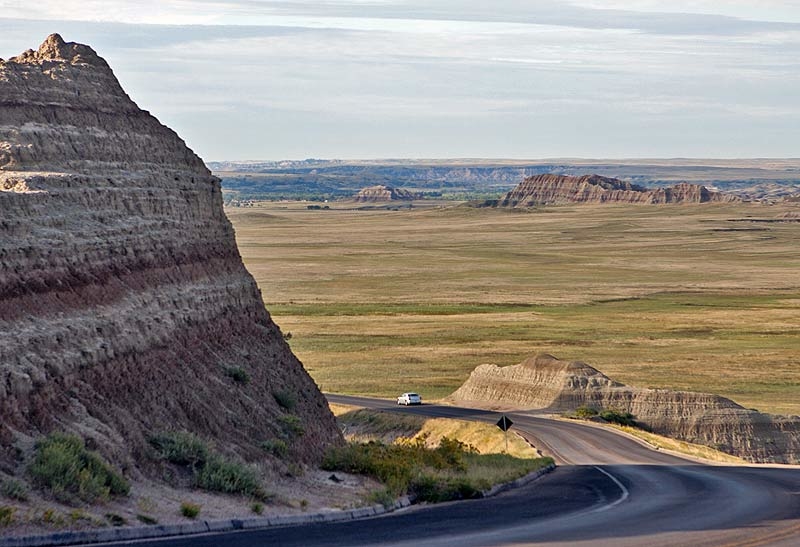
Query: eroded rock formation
[(544, 382), (560, 189), (124, 303), (384, 193)]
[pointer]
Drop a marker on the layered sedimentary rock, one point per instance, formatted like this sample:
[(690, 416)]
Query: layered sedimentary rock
[(384, 193), (544, 382), (124, 303), (560, 189)]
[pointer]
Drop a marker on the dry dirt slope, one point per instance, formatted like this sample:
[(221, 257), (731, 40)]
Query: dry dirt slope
[(124, 303), (544, 382)]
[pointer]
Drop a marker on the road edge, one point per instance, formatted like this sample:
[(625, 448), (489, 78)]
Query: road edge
[(522, 481), (133, 533)]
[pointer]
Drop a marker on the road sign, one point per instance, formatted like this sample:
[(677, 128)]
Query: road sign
[(504, 423)]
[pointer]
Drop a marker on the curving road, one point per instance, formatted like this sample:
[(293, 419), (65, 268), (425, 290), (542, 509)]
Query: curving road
[(608, 490), (656, 498)]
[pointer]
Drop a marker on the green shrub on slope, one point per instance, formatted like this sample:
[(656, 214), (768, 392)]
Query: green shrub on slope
[(63, 466)]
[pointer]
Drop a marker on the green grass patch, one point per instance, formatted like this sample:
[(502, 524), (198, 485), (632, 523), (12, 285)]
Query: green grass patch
[(618, 417), (190, 510), (276, 447), (212, 471), (285, 399), (388, 308), (53, 517), (291, 425), (181, 448), (451, 470), (611, 416), (586, 412), (64, 467), (502, 468), (7, 513), (238, 375), (433, 488), (14, 489), (221, 475), (79, 515)]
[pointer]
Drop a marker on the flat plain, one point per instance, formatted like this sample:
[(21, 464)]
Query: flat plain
[(692, 297)]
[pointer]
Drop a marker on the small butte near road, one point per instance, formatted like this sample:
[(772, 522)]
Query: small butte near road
[(608, 490)]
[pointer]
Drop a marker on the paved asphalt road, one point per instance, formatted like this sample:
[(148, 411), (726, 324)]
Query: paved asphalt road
[(608, 490)]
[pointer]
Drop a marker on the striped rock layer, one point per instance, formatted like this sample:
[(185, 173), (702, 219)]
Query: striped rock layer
[(561, 189), (547, 383), (385, 193), (124, 302)]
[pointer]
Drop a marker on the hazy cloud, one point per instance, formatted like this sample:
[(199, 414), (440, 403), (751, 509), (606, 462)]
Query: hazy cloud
[(251, 79)]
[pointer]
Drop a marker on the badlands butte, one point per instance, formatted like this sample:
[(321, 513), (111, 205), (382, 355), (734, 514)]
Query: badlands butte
[(550, 189), (546, 383), (125, 309), (560, 189)]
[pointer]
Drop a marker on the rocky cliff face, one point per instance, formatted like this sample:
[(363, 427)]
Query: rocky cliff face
[(384, 193), (544, 382), (124, 303), (559, 189)]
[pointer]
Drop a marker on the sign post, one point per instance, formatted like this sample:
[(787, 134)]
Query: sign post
[(505, 423)]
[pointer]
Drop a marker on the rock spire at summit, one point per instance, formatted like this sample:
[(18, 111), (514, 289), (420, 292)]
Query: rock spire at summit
[(54, 48)]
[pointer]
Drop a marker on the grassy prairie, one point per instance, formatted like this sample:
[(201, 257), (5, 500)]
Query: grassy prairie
[(701, 298)]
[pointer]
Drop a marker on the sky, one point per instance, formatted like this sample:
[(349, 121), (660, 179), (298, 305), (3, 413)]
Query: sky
[(527, 79)]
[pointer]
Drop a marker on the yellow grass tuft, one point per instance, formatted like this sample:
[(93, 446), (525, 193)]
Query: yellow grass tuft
[(486, 438), (682, 447), (364, 425)]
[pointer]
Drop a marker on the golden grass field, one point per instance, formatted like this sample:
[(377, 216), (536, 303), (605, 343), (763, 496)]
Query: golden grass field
[(379, 302)]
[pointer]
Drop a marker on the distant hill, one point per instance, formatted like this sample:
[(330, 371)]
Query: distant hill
[(382, 193), (476, 179), (544, 382), (558, 189)]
